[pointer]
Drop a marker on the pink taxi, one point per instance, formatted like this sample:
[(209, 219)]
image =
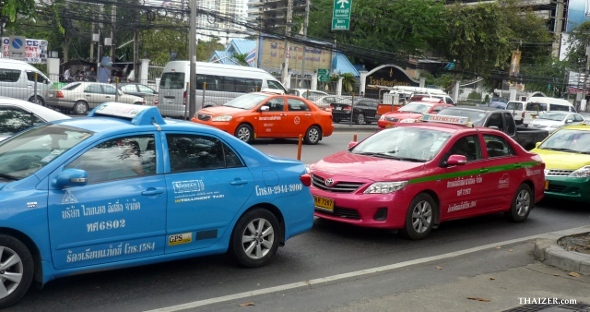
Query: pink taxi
[(412, 112), (417, 175)]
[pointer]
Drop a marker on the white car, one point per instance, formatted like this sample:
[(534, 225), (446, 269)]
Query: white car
[(552, 121), (18, 115), (307, 94), (324, 101)]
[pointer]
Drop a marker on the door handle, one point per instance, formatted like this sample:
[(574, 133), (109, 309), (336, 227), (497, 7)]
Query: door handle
[(307, 114), (107, 97), (87, 95), (238, 182), (152, 191)]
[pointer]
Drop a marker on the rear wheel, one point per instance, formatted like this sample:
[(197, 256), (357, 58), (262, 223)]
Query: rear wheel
[(37, 100), (16, 270), (522, 203), (313, 135), (255, 238), (245, 133), (420, 217), (80, 108), (360, 119)]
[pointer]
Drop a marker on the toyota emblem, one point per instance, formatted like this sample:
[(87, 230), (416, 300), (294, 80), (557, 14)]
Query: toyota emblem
[(329, 182)]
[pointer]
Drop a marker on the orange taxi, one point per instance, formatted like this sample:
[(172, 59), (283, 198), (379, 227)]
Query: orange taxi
[(268, 115), (412, 112)]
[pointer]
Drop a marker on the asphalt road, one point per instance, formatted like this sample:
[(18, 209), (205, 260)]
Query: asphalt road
[(327, 250)]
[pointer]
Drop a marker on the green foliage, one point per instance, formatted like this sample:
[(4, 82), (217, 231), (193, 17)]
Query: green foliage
[(11, 9), (473, 95), (206, 48), (579, 39), (240, 58)]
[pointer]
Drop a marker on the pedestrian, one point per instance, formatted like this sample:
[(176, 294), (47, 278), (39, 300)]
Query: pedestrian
[(68, 74), (91, 75)]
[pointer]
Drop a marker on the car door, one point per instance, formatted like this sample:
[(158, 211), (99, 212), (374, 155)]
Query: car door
[(120, 214), (502, 169), (271, 123), (110, 93), (208, 185), (94, 95), (298, 118)]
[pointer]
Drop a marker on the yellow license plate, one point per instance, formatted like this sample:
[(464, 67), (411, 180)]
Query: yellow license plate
[(546, 185), (324, 203)]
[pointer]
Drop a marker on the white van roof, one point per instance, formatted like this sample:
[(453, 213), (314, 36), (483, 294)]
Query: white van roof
[(214, 66), (15, 63)]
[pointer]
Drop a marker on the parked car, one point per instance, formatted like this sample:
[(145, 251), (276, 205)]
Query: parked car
[(80, 97), (414, 176), (18, 115), (412, 112), (307, 93), (324, 101), (362, 111), (445, 97), (498, 103), (150, 95), (17, 80), (552, 121), (499, 119), (124, 187), (566, 154)]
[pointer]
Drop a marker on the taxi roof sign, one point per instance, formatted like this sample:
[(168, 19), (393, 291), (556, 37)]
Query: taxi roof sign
[(139, 115), (455, 120)]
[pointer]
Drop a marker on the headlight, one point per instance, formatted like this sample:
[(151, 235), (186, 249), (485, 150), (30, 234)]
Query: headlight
[(408, 120), (583, 172), (382, 117), (385, 187), (221, 118)]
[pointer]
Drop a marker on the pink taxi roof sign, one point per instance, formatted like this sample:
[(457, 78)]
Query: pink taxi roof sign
[(455, 120)]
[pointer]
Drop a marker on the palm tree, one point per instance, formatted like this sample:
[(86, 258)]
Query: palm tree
[(348, 82), (240, 59)]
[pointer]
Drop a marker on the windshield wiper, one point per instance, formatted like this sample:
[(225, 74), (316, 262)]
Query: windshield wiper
[(561, 149), (407, 159), (8, 177)]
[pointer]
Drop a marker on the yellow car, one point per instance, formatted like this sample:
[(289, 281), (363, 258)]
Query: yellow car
[(566, 154)]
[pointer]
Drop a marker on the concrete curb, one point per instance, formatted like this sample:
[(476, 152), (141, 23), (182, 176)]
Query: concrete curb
[(549, 252)]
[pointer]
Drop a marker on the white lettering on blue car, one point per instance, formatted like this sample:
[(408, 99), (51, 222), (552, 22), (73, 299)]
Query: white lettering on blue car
[(278, 189), (89, 254), (68, 198), (70, 212), (105, 225), (188, 186)]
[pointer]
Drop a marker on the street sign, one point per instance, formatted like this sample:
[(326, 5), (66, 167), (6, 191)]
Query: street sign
[(323, 75), (341, 15)]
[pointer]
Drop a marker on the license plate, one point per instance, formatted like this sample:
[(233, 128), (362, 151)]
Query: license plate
[(546, 185), (324, 203), (338, 108), (534, 116)]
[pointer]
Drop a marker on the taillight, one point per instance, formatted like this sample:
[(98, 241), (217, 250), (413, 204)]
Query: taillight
[(347, 108), (332, 106), (59, 95), (184, 98), (305, 179), (522, 114), (156, 101)]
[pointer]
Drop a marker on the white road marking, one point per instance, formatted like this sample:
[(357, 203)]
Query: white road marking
[(395, 266)]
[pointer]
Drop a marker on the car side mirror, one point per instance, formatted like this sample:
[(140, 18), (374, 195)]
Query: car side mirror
[(455, 160), (264, 108), (70, 177), (352, 144)]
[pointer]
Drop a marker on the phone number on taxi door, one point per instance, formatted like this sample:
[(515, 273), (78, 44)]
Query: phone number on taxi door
[(278, 189)]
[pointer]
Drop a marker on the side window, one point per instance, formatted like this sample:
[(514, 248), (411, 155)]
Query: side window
[(536, 107), (437, 109), (497, 146), (120, 158), (9, 75), (296, 105), (495, 120), (144, 89), (15, 120), (229, 84), (109, 90), (196, 152), (448, 100), (467, 146), (93, 88), (31, 77), (275, 85), (128, 88), (253, 85), (510, 124), (276, 105), (578, 117), (557, 107)]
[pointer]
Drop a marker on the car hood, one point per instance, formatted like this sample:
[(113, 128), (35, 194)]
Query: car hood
[(221, 110), (365, 167), (562, 160), (403, 115), (543, 123)]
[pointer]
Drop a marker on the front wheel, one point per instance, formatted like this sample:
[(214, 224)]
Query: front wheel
[(16, 270), (255, 238), (245, 133), (312, 135), (37, 100), (420, 217), (80, 108), (521, 204)]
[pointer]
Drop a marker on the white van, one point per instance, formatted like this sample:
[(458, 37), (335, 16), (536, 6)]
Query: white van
[(216, 84), (17, 80), (525, 112)]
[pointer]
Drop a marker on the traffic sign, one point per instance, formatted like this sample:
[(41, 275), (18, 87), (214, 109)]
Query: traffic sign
[(323, 75), (341, 15), (16, 47)]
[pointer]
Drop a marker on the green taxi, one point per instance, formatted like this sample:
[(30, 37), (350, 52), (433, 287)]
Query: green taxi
[(566, 154)]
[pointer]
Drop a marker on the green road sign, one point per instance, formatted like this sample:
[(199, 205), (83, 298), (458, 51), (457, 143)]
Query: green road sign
[(341, 15), (323, 75)]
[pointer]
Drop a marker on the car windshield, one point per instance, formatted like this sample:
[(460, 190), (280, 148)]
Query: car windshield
[(556, 116), (568, 140), (28, 152), (247, 101), (403, 143), (419, 108), (476, 117)]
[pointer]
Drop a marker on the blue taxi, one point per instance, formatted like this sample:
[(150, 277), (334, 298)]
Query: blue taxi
[(125, 187)]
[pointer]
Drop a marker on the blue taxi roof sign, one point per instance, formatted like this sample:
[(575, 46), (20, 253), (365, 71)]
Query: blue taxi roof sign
[(455, 120), (138, 114)]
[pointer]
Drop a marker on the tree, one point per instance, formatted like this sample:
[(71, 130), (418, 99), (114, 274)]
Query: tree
[(579, 39), (240, 58), (11, 9)]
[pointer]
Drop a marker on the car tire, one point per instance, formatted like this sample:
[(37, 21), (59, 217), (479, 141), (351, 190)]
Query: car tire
[(21, 263), (37, 100), (80, 108), (255, 238), (522, 203), (360, 119), (245, 133), (313, 135), (420, 217)]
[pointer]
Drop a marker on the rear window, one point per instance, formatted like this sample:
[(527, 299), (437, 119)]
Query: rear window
[(558, 107), (9, 75), (536, 107), (71, 86), (172, 81), (514, 106)]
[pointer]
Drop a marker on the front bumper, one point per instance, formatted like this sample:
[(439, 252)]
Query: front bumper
[(575, 189)]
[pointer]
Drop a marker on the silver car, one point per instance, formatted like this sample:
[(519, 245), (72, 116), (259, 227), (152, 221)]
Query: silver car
[(552, 121), (18, 115), (80, 96)]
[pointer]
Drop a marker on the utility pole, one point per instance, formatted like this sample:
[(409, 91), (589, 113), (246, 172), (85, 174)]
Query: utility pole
[(584, 88), (305, 25), (98, 48), (558, 26), (92, 43), (286, 77), (113, 22), (192, 108)]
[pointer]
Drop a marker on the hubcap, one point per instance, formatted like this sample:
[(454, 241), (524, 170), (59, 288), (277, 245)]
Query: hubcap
[(244, 134), (258, 238), (11, 271), (523, 201), (314, 135), (361, 119), (421, 217)]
